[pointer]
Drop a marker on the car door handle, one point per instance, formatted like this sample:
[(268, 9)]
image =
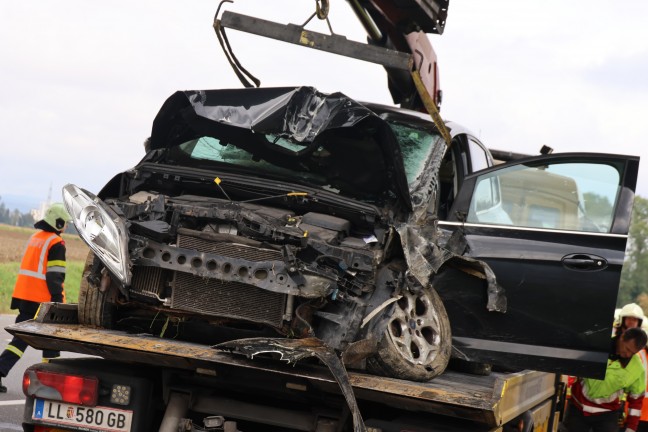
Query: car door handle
[(584, 262)]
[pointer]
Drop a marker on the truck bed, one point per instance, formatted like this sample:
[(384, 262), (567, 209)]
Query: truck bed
[(490, 400)]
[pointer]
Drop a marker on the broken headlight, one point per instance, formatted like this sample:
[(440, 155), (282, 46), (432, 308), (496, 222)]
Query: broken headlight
[(101, 228)]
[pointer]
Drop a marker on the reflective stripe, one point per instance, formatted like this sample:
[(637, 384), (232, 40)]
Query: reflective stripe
[(40, 274), (32, 274), (634, 412), (14, 350), (591, 409), (44, 250), (56, 269), (603, 400), (56, 263)]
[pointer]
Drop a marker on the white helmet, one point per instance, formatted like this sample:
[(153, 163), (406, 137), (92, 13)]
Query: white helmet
[(631, 310), (644, 324), (617, 321)]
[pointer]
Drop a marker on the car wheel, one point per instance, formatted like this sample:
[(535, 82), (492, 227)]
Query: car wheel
[(96, 308), (417, 341)]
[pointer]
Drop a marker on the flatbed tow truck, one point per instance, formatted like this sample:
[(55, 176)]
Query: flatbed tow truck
[(141, 382)]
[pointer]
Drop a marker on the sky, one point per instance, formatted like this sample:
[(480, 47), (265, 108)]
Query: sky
[(82, 81)]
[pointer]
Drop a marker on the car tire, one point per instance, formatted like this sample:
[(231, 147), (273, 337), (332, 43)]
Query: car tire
[(96, 308), (417, 341)]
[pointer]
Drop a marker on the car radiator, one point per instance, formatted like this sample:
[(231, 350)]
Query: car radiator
[(227, 299)]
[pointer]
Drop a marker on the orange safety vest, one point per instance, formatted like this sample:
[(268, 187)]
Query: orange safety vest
[(644, 408), (31, 283)]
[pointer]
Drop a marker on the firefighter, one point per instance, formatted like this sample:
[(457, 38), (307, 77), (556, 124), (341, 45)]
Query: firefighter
[(595, 404), (630, 315), (40, 279)]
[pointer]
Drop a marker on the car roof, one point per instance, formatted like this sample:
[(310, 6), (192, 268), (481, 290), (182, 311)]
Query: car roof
[(454, 127)]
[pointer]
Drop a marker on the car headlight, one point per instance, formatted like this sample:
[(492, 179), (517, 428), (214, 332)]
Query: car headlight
[(101, 228)]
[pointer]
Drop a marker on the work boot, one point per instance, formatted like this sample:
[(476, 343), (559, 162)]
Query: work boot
[(3, 389)]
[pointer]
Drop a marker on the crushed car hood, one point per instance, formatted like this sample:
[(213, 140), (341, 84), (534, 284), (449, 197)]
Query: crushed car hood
[(300, 114)]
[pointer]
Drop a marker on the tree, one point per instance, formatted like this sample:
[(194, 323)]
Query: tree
[(634, 276), (14, 217), (598, 208)]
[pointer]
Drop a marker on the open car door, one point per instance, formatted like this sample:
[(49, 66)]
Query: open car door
[(554, 230)]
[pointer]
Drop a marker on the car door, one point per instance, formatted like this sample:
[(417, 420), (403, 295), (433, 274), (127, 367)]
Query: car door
[(553, 229)]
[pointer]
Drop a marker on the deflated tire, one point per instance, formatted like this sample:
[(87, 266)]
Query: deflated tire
[(416, 342), (96, 308)]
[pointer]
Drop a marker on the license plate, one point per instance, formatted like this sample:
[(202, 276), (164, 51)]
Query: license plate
[(92, 418)]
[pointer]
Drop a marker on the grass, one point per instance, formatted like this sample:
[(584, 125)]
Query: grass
[(9, 272)]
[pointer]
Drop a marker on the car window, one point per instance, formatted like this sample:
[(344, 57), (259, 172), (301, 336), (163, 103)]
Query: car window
[(564, 196), (478, 157)]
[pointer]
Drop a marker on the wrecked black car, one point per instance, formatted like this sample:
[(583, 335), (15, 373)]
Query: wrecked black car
[(290, 213)]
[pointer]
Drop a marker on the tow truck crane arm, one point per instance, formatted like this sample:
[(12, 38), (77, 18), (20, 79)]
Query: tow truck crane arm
[(402, 26), (397, 40)]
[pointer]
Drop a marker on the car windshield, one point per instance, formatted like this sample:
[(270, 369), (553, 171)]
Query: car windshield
[(331, 164), (348, 165), (210, 149), (416, 144)]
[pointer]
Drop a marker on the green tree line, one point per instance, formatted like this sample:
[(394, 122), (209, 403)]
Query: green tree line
[(15, 217), (634, 278)]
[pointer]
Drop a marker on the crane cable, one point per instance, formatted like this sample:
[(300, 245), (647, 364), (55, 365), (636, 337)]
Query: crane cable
[(243, 74)]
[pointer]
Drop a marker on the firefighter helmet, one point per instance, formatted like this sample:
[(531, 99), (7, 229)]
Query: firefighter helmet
[(56, 216), (631, 310)]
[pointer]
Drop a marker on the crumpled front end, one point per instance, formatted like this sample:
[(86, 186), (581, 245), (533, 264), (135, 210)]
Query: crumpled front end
[(279, 212)]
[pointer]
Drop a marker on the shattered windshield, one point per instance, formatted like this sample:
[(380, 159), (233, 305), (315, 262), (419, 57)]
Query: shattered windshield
[(211, 149), (416, 144), (347, 162), (347, 165)]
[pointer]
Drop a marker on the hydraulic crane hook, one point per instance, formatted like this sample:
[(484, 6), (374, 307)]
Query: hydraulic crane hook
[(323, 9)]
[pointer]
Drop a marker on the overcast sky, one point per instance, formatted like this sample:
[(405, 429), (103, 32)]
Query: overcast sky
[(82, 80)]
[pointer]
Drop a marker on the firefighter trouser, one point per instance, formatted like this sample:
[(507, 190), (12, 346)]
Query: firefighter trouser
[(575, 421), (16, 348)]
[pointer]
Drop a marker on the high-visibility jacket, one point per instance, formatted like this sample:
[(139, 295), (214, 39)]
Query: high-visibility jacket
[(31, 283), (594, 397)]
